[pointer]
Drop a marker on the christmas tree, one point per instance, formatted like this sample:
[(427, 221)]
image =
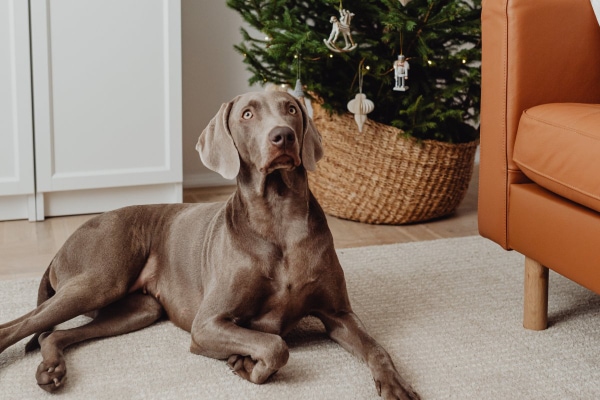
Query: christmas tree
[(440, 40)]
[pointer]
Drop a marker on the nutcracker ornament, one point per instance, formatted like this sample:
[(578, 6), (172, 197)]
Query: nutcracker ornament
[(401, 68)]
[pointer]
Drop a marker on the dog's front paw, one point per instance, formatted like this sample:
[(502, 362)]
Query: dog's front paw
[(249, 369), (51, 376), (390, 386), (241, 365)]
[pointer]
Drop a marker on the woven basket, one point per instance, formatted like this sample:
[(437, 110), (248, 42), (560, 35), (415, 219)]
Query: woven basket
[(380, 176)]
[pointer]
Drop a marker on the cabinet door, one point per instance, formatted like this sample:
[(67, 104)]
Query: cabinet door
[(16, 135), (107, 102)]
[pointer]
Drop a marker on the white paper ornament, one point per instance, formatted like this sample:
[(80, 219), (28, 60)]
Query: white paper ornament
[(404, 2), (298, 92), (360, 106)]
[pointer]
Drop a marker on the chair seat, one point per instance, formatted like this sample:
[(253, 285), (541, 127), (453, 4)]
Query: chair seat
[(558, 147)]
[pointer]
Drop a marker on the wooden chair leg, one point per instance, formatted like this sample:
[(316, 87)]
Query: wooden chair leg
[(535, 315)]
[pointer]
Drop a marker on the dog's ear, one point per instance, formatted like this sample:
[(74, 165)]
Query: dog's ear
[(312, 150), (216, 147)]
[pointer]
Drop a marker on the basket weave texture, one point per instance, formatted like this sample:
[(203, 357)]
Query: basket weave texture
[(380, 176)]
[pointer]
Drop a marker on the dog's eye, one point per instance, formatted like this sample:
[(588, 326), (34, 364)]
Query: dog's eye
[(292, 110), (247, 114)]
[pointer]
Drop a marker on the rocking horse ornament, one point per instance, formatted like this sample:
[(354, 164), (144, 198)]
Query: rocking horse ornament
[(341, 25)]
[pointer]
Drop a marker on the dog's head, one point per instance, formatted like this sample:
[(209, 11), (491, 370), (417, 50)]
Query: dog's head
[(264, 130)]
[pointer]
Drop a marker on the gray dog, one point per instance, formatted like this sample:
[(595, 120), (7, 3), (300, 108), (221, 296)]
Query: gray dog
[(238, 275)]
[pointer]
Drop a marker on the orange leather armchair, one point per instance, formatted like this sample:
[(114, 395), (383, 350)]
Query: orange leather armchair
[(539, 189)]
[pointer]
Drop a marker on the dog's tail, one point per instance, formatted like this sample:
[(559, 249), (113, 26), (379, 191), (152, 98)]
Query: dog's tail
[(45, 291)]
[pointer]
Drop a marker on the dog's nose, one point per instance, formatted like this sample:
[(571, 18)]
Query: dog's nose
[(282, 137)]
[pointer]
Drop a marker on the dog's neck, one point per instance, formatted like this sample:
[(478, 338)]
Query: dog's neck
[(273, 204)]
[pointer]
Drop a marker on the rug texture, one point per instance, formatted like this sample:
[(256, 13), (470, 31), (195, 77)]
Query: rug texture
[(448, 311)]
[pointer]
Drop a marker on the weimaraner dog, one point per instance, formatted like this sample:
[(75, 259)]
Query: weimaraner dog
[(238, 275)]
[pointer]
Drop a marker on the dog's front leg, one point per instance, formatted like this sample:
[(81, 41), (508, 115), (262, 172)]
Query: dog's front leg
[(346, 329), (253, 355)]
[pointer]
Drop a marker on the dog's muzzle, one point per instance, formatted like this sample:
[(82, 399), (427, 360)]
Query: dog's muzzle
[(284, 149), (282, 137)]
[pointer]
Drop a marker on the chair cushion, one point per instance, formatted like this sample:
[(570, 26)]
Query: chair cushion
[(558, 147)]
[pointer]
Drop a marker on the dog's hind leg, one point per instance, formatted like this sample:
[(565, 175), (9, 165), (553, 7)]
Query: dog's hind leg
[(77, 296), (45, 291), (133, 312)]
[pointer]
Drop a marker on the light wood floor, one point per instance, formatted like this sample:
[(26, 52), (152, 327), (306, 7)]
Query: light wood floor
[(26, 248)]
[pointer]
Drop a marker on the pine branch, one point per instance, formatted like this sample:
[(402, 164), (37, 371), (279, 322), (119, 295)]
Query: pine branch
[(441, 39)]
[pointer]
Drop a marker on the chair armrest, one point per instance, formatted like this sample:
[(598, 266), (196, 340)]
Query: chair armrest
[(533, 52)]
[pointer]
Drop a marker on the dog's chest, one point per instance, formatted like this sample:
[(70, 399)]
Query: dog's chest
[(282, 301)]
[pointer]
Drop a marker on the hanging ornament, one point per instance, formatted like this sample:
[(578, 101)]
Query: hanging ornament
[(341, 25), (360, 106), (404, 2), (298, 92), (401, 68)]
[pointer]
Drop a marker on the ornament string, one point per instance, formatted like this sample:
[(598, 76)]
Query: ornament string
[(360, 75), (401, 43), (298, 92), (298, 65)]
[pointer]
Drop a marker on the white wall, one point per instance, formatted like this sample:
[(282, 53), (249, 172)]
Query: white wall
[(213, 73)]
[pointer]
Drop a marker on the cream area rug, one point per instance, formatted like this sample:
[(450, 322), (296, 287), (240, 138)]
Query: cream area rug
[(448, 311)]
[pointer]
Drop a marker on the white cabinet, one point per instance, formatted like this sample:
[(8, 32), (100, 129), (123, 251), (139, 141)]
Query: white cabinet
[(16, 126), (106, 84)]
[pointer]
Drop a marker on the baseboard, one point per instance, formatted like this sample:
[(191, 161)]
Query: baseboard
[(205, 179), (16, 207), (91, 201)]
